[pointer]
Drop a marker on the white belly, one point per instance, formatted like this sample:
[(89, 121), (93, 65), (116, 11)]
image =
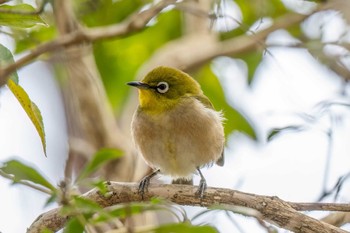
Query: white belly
[(180, 140)]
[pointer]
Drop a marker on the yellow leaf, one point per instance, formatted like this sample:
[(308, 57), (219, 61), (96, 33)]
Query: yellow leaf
[(30, 108)]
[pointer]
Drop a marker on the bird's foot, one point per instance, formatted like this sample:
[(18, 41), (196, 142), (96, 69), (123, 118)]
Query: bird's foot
[(143, 186), (202, 185), (201, 189), (144, 183)]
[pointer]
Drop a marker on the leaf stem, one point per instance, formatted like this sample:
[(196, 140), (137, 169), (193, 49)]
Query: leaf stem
[(26, 183)]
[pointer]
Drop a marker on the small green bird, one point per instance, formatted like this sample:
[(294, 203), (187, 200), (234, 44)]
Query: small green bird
[(175, 127)]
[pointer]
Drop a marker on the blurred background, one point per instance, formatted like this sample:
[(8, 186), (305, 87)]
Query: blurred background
[(279, 71)]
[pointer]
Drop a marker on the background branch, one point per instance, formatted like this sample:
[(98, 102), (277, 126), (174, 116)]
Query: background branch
[(273, 210), (132, 24), (138, 21)]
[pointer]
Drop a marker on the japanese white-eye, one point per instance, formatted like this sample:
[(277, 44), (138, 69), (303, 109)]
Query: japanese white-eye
[(175, 127)]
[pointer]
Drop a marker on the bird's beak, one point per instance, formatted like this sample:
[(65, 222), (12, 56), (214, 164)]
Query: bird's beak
[(139, 85)]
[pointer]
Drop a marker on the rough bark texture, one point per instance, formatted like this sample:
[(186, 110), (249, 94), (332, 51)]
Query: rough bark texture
[(272, 209)]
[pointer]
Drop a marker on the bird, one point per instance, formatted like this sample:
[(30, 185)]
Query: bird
[(175, 127)]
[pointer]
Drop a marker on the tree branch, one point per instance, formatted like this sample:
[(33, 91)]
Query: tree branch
[(132, 24), (273, 210), (139, 20)]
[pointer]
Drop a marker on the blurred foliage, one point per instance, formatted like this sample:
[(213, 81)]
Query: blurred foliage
[(36, 36), (11, 16), (254, 10), (105, 12), (101, 157), (119, 60), (212, 88), (253, 13)]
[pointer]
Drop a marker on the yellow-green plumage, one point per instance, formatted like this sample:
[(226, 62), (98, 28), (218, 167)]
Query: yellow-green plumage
[(175, 127)]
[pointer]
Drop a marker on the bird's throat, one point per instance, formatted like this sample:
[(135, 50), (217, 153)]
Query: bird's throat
[(153, 105)]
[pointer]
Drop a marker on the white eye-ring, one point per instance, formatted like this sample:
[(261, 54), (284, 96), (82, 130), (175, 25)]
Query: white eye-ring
[(162, 87)]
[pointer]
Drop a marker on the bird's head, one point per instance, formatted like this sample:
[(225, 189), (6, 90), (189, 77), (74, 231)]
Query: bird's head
[(163, 88)]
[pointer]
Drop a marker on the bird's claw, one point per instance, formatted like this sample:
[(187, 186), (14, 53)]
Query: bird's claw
[(144, 183), (143, 186), (201, 188)]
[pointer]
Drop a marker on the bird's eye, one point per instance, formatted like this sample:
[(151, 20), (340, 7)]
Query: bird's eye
[(162, 87)]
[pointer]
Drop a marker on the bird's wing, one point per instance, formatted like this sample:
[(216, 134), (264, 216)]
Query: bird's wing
[(206, 102)]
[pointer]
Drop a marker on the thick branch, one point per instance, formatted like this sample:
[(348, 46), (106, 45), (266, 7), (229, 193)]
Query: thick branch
[(272, 209)]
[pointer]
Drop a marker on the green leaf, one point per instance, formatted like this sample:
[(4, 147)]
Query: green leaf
[(252, 60), (101, 157), (74, 226), (276, 131), (184, 227), (6, 58), (30, 108), (29, 39), (22, 172), (101, 186), (86, 206), (80, 205), (128, 209), (17, 16), (51, 199), (213, 90)]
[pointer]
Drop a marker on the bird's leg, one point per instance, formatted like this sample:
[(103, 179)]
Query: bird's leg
[(202, 185), (143, 186)]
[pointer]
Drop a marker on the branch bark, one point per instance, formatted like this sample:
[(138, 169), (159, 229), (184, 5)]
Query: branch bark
[(273, 210)]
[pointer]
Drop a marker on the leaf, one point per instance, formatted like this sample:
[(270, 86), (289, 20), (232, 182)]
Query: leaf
[(213, 90), (6, 58), (51, 199), (128, 209), (101, 157), (86, 206), (30, 108), (73, 226), (22, 172), (252, 60), (184, 227), (11, 16), (276, 131), (29, 39)]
